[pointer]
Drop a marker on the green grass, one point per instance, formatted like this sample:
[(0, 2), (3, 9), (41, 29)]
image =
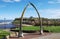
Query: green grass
[(37, 28), (29, 28), (3, 33), (52, 28)]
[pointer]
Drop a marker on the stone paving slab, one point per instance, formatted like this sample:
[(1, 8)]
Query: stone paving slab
[(52, 36), (30, 36)]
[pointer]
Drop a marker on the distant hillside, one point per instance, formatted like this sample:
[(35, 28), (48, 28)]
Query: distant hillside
[(6, 21), (34, 21)]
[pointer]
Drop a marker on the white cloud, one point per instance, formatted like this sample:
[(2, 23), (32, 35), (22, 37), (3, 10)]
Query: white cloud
[(7, 0), (11, 0), (50, 13), (51, 2), (17, 0), (54, 1)]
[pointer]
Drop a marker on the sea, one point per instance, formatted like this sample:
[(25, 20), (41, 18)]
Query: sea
[(6, 26)]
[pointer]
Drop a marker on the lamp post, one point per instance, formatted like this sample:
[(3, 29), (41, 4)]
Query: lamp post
[(4, 23)]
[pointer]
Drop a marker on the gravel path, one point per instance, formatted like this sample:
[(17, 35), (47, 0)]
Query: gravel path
[(51, 36)]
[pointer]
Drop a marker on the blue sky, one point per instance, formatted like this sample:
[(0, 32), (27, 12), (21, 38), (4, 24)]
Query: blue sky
[(11, 9)]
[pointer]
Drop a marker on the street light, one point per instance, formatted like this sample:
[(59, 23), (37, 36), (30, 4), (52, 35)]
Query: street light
[(4, 23)]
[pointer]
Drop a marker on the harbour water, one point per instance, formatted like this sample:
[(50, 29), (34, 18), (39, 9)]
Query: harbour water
[(6, 26)]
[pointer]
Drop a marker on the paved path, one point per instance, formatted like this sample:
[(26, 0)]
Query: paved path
[(45, 36), (27, 36), (51, 36)]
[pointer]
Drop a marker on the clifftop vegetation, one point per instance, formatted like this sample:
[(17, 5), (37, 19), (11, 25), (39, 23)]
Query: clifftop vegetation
[(35, 22)]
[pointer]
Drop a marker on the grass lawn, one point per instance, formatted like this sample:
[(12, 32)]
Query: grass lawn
[(3, 33), (29, 28), (37, 28), (54, 29), (33, 28)]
